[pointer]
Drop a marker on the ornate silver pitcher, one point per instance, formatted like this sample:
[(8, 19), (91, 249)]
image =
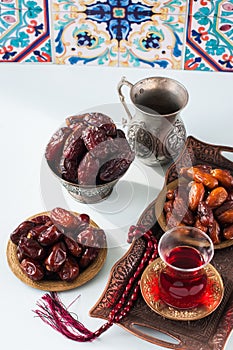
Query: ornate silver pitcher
[(155, 131)]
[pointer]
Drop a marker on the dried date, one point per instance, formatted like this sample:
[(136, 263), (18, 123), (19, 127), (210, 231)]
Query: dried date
[(204, 167), (224, 207), (49, 236), (199, 225), (214, 232), (196, 195), (88, 170), (168, 206), (117, 165), (226, 217), (170, 194), (85, 218), (198, 175), (95, 119), (113, 169), (223, 176), (106, 150), (74, 150), (172, 221), (73, 247), (64, 220), (228, 232), (188, 218), (41, 220), (56, 143), (89, 255), (69, 270), (30, 248), (102, 121), (55, 146), (205, 214), (181, 211), (68, 169), (57, 257), (93, 136), (216, 197), (230, 196), (36, 231), (92, 237), (74, 120), (84, 224), (32, 269), (21, 230)]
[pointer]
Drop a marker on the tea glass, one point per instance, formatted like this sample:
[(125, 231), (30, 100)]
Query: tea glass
[(185, 252)]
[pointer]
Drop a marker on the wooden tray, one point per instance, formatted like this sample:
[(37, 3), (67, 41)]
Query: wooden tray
[(209, 333)]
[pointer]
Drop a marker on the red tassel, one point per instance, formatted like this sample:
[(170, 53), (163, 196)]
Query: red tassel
[(54, 313)]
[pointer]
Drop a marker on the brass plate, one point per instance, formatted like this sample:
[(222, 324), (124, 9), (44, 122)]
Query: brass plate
[(149, 290), (159, 213), (58, 286)]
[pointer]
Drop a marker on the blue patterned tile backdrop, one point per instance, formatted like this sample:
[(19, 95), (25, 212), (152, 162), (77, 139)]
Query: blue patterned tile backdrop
[(210, 36), (24, 31), (164, 34)]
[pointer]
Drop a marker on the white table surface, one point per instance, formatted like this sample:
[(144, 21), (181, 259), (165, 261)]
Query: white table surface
[(34, 100)]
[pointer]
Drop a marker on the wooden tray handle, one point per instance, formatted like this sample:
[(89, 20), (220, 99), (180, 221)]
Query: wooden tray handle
[(134, 327), (196, 152), (226, 149)]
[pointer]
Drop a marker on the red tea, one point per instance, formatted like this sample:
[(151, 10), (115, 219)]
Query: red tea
[(183, 289)]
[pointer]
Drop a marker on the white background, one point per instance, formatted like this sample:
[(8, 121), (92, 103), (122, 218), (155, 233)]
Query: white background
[(34, 101)]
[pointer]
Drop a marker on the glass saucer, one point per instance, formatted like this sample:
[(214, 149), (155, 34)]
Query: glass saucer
[(150, 293)]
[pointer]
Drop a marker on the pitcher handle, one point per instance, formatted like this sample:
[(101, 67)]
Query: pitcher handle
[(125, 82)]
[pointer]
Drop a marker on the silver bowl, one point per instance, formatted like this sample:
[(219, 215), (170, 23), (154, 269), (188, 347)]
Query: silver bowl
[(86, 193)]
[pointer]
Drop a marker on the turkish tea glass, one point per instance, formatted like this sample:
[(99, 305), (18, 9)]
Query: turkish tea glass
[(185, 252)]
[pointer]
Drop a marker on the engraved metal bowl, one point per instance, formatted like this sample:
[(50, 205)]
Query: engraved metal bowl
[(86, 193)]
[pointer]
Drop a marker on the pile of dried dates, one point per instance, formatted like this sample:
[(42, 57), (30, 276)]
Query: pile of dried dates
[(205, 202), (90, 150), (57, 246)]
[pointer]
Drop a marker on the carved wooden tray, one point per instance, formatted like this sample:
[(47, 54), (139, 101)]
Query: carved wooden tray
[(209, 333)]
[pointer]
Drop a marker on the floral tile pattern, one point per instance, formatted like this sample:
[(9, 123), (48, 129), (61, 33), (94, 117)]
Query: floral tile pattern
[(210, 36), (219, 8), (24, 31), (79, 40), (169, 6), (163, 34), (32, 5), (119, 32), (157, 43)]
